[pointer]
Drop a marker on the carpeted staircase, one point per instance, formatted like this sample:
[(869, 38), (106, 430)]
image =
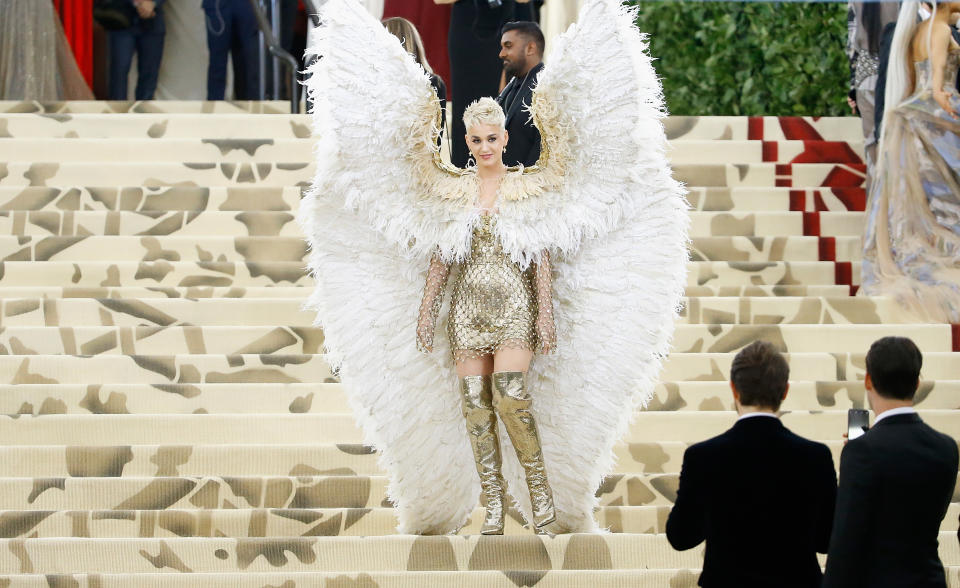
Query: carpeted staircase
[(170, 422)]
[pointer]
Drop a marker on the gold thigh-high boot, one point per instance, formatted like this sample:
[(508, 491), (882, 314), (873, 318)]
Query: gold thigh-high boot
[(512, 402), (482, 430)]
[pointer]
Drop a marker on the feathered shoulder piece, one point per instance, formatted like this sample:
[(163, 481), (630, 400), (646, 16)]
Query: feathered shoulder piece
[(601, 200)]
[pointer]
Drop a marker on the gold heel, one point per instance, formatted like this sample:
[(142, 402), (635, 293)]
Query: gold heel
[(482, 430), (513, 406)]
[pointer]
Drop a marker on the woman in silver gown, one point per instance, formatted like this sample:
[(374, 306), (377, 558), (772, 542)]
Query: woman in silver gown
[(499, 315), (36, 62), (912, 241)]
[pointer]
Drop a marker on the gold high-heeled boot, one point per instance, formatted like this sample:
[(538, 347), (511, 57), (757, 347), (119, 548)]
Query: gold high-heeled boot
[(512, 403), (482, 430)]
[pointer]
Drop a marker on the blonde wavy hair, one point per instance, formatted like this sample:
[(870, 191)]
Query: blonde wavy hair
[(409, 36), (484, 111)]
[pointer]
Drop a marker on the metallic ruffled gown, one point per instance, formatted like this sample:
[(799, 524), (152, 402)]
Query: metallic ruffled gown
[(912, 242)]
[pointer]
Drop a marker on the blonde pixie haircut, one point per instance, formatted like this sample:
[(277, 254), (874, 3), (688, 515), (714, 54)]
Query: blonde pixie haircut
[(484, 111)]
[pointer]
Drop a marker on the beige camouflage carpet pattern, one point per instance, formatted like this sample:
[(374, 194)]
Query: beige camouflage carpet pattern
[(168, 420)]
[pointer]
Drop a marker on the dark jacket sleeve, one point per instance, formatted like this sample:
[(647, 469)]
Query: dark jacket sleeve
[(827, 490), (854, 518), (686, 525)]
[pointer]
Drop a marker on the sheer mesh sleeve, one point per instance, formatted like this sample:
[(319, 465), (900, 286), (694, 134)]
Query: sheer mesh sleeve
[(546, 328), (431, 303)]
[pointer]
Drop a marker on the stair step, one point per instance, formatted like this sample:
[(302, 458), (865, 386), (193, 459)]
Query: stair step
[(217, 147), (137, 198), (231, 340), (284, 428), (92, 274), (191, 249), (770, 128), (799, 175), (131, 312), (114, 198), (163, 369), (366, 554), (777, 224), (295, 522), (184, 274), (161, 150), (246, 460), (774, 199), (276, 174), (97, 119), (686, 578), (303, 292), (171, 369), (708, 151), (797, 338), (807, 310), (155, 126), (318, 398), (761, 249), (297, 339), (298, 172), (153, 107), (270, 248), (348, 554), (304, 489), (207, 223)]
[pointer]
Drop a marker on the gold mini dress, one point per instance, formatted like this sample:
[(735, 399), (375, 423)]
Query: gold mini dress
[(494, 304)]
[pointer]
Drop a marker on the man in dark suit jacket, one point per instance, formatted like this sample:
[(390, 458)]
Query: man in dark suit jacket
[(521, 49), (896, 482), (760, 496)]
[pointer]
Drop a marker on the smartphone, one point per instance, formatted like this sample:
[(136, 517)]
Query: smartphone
[(858, 421)]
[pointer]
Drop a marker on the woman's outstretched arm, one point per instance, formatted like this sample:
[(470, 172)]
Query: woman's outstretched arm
[(546, 328), (431, 303)]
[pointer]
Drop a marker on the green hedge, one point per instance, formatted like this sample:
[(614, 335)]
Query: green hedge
[(749, 58)]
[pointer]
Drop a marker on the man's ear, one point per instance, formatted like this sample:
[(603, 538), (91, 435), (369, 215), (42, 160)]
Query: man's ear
[(736, 393), (868, 382), (785, 390)]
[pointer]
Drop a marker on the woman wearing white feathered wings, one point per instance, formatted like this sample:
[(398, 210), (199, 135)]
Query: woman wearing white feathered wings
[(600, 206)]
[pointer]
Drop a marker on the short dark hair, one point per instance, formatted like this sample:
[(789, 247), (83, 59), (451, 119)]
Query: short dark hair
[(760, 373), (528, 29), (894, 366)]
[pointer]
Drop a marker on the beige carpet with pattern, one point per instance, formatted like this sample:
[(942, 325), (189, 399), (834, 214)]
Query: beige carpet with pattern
[(168, 420)]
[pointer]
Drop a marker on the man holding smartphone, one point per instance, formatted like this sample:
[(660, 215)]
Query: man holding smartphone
[(760, 496), (896, 482)]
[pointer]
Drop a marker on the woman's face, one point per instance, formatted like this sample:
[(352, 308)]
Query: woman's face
[(486, 144)]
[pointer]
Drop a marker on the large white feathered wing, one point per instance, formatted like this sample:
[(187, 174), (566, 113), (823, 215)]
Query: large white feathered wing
[(620, 223), (371, 235)]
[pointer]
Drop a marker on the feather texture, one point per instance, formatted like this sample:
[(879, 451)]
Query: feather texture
[(601, 199)]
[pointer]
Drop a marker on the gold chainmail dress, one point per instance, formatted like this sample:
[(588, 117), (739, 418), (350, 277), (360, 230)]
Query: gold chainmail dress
[(494, 304)]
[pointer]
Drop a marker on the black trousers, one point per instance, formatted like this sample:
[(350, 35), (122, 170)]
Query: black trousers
[(146, 41), (475, 66), (232, 29)]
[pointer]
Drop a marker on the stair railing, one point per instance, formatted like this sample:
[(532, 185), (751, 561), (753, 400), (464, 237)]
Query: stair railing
[(279, 54)]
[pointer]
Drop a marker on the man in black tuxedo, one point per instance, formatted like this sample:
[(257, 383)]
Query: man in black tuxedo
[(521, 50), (896, 482), (760, 496)]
